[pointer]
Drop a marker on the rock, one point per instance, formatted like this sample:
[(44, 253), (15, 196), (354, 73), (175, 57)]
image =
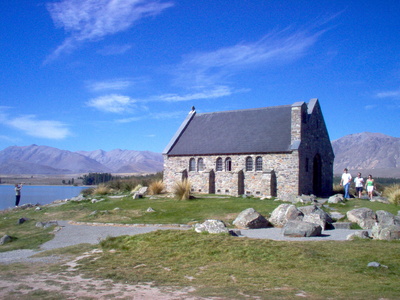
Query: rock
[(284, 213), (150, 210), (391, 232), (250, 219), (338, 198), (235, 232), (94, 200), (301, 229), (362, 234), (211, 226), (385, 218), (337, 216), (38, 208), (46, 224), (5, 239), (375, 264), (313, 214), (380, 199), (305, 199), (364, 217), (21, 221), (78, 198)]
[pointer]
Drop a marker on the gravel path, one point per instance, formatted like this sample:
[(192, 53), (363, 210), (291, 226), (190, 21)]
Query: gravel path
[(72, 234)]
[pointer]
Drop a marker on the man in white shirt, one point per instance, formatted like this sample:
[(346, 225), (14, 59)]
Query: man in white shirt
[(345, 182)]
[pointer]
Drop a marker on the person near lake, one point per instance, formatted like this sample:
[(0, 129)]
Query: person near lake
[(359, 182), (18, 188), (345, 182), (369, 185)]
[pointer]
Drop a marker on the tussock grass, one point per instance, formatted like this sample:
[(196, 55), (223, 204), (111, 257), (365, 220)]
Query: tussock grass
[(156, 187), (182, 189), (101, 190), (392, 192)]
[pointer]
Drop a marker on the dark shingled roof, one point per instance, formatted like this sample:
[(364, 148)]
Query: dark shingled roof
[(261, 130)]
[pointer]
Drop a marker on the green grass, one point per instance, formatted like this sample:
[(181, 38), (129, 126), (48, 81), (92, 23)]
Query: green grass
[(220, 265), (215, 265)]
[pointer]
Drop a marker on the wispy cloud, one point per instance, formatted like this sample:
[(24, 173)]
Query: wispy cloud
[(112, 103), (94, 19), (48, 129), (154, 116), (113, 84), (210, 68), (389, 94), (217, 92)]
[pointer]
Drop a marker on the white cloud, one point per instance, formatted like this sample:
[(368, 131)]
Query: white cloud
[(369, 107), (112, 103), (389, 94), (114, 84), (94, 19), (40, 128), (210, 68), (217, 92)]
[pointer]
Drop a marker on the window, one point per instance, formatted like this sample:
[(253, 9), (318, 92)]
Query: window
[(249, 164), (192, 165), (219, 164), (200, 164), (259, 164), (228, 164)]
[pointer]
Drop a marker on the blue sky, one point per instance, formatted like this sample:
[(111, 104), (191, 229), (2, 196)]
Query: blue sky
[(108, 74)]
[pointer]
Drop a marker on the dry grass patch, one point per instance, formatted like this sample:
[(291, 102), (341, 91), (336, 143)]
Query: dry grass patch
[(156, 187), (182, 189), (392, 192)]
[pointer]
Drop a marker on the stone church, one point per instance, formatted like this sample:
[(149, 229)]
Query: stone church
[(274, 151)]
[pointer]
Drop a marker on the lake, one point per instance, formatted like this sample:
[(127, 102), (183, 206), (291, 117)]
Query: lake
[(37, 194)]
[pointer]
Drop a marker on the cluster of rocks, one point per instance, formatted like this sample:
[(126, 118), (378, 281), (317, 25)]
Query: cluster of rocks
[(380, 225), (308, 221)]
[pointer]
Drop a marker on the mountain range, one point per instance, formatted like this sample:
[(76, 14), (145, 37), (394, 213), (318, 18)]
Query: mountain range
[(36, 159), (369, 153)]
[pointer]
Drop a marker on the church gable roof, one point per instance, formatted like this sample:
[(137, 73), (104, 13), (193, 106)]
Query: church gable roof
[(261, 130)]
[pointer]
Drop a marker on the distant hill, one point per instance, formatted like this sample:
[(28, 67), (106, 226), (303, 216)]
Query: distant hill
[(36, 159), (368, 153)]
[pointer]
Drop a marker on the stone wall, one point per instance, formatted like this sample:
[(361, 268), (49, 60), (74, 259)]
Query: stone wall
[(279, 175)]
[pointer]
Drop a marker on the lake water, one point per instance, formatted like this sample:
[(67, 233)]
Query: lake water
[(37, 194)]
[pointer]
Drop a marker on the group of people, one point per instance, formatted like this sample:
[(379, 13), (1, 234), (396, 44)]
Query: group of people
[(369, 184)]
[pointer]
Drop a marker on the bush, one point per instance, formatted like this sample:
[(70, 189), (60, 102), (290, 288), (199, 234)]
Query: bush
[(392, 192), (156, 187), (182, 189), (101, 190)]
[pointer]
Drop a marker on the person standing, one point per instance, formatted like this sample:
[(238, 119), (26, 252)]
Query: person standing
[(369, 185), (359, 182), (345, 182), (17, 193)]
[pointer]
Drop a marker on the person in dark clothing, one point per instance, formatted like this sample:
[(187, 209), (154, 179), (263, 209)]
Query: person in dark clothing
[(17, 193)]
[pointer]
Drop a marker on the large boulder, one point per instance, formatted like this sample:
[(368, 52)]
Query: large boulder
[(361, 234), (301, 229), (338, 198), (250, 219), (364, 217), (5, 239), (211, 226), (391, 232), (314, 214), (284, 213), (385, 218)]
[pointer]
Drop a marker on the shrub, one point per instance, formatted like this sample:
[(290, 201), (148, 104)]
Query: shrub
[(101, 190), (182, 189), (392, 192), (156, 187)]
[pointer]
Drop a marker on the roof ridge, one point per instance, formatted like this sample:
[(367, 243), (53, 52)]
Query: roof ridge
[(245, 109)]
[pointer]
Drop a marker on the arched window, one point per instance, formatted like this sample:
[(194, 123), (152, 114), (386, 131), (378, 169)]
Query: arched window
[(249, 164), (200, 164), (218, 166), (228, 164), (259, 163), (192, 165)]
